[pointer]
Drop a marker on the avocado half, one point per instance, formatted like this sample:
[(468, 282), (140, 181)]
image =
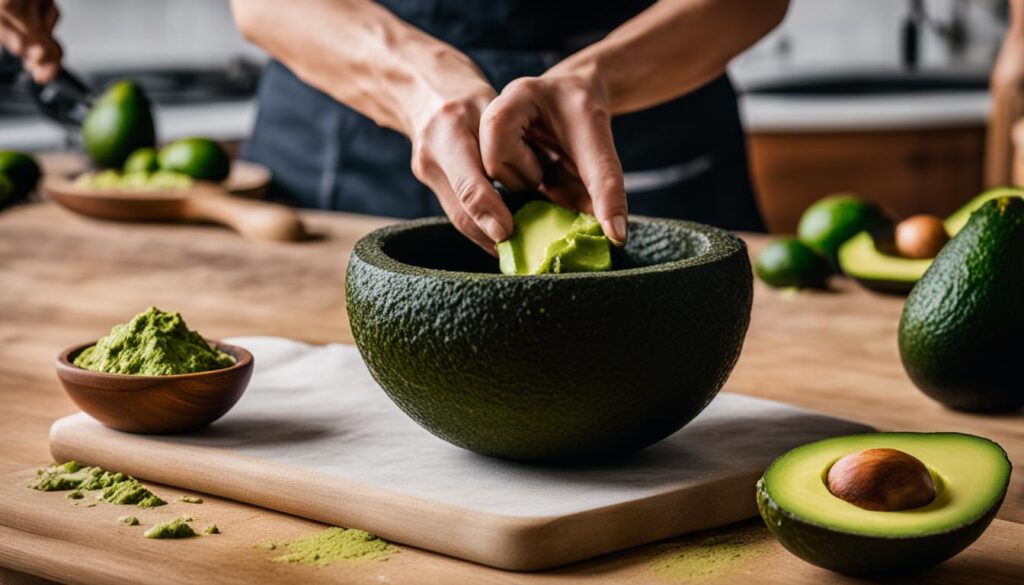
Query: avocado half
[(860, 259), (550, 366), (970, 473)]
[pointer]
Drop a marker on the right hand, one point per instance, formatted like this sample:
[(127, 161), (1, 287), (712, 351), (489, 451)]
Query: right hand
[(26, 30), (446, 158)]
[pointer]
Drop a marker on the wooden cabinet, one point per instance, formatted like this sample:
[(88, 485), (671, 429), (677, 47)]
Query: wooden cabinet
[(906, 171)]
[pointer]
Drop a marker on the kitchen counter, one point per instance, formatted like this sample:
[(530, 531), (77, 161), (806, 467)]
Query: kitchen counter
[(66, 279)]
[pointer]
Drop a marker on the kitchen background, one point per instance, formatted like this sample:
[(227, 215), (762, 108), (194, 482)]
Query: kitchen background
[(885, 98)]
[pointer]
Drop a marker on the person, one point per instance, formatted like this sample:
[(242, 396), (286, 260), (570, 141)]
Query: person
[(409, 108)]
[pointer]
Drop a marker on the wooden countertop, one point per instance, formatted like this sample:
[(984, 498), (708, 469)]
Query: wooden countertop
[(65, 279)]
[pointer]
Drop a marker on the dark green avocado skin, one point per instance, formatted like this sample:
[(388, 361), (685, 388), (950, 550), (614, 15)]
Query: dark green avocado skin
[(855, 554), (960, 331), (550, 367), (120, 122)]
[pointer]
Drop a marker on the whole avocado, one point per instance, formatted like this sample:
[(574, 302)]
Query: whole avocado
[(23, 173), (199, 158), (959, 335), (120, 122), (832, 220), (788, 262)]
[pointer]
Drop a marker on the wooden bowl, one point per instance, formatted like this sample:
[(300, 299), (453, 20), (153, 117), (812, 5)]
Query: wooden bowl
[(156, 404)]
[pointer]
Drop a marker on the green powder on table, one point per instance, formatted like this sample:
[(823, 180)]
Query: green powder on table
[(710, 557), (153, 343), (131, 491), (191, 499), (173, 528), (117, 487), (128, 520), (332, 545), (211, 529)]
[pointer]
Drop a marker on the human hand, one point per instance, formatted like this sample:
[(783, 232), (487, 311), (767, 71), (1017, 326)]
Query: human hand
[(553, 133), (26, 29), (446, 157)]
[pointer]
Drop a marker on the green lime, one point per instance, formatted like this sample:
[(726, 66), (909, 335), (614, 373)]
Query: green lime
[(119, 123), (788, 262), (832, 220), (199, 158), (6, 191), (23, 172), (143, 160)]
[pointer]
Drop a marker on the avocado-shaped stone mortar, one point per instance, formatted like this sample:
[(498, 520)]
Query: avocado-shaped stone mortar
[(553, 366)]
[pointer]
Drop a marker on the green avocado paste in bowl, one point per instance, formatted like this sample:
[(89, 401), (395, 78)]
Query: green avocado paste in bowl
[(153, 343)]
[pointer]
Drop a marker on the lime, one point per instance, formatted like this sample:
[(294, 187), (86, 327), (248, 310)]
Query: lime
[(200, 158), (143, 160), (832, 220), (6, 190), (22, 171), (788, 262)]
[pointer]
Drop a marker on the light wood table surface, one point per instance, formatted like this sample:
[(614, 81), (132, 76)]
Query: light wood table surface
[(65, 279)]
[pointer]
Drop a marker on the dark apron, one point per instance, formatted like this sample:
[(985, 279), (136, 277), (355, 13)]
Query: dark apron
[(683, 159)]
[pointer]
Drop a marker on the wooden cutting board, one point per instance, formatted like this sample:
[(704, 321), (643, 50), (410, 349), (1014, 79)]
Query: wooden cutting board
[(314, 436)]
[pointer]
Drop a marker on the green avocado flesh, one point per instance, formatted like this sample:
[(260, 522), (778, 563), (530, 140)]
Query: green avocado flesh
[(970, 474), (135, 181), (959, 334), (551, 239), (860, 258)]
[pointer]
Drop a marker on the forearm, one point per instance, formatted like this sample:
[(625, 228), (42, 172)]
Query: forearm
[(363, 56), (672, 48)]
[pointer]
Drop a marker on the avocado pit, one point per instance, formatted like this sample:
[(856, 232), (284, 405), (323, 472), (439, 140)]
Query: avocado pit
[(921, 237), (885, 480)]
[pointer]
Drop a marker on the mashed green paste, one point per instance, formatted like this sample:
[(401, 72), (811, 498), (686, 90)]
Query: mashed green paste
[(173, 528), (153, 343), (137, 181), (117, 487), (332, 545)]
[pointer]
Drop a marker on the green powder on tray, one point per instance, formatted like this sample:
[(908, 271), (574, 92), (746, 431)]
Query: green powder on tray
[(128, 520), (710, 557), (332, 545), (173, 528), (117, 488), (191, 499), (153, 343)]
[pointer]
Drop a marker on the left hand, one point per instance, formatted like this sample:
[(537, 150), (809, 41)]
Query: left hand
[(553, 133)]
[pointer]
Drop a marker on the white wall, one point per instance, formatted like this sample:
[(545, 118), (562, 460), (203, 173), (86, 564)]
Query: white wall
[(865, 34), (821, 34), (116, 33)]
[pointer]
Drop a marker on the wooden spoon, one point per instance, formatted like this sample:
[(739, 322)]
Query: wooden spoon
[(203, 202)]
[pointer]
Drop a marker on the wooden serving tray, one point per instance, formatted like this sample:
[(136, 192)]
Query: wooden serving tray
[(314, 436)]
